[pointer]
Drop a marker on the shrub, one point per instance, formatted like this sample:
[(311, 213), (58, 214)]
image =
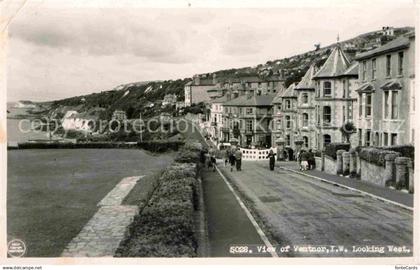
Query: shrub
[(406, 150), (165, 228), (332, 148), (160, 146), (375, 155)]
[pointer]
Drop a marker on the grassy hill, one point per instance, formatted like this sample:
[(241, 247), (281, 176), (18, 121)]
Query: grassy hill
[(136, 98)]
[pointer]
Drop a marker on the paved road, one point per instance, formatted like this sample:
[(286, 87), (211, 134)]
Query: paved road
[(302, 211)]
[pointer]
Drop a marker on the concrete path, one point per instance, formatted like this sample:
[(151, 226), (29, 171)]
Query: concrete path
[(299, 210), (387, 194), (101, 236), (228, 224)]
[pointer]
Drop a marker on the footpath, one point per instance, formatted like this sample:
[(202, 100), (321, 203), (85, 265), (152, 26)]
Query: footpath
[(393, 196)]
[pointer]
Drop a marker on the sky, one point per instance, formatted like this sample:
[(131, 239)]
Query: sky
[(59, 51)]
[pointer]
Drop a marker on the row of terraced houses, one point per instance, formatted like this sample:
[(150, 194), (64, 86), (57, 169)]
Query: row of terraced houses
[(374, 91)]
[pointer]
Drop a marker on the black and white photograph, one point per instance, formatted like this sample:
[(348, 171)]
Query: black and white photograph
[(197, 130)]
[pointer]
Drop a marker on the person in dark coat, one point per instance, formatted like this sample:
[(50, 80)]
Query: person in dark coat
[(232, 159), (271, 156), (238, 159), (311, 159)]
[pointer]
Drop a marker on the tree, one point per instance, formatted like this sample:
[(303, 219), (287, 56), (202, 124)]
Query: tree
[(347, 130)]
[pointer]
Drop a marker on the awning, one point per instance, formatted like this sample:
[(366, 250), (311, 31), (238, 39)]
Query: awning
[(366, 88), (394, 84)]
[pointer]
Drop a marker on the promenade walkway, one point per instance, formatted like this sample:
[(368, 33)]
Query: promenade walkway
[(101, 236)]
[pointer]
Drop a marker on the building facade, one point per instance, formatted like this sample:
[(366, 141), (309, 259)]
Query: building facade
[(248, 118), (386, 94), (335, 98)]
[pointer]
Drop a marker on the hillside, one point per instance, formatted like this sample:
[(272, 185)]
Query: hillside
[(140, 97)]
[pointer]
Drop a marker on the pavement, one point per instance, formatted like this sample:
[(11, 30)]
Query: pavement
[(298, 210), (101, 236), (386, 194)]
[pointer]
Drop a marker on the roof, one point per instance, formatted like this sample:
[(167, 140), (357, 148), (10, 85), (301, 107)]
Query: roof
[(335, 65), (254, 100), (306, 82), (397, 44), (219, 99), (290, 91), (251, 79), (367, 87), (393, 84), (353, 70)]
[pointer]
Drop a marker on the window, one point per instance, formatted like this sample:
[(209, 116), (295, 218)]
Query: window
[(373, 68), (386, 104), (360, 105), (278, 124), (287, 139), (400, 63), (249, 110), (344, 89), (368, 105), (344, 114), (288, 122), (306, 141), (327, 89), (305, 120), (394, 139), (376, 142), (327, 139), (305, 98), (385, 139), (327, 115), (360, 136), (367, 138), (288, 104), (394, 105), (364, 71), (388, 65), (249, 126)]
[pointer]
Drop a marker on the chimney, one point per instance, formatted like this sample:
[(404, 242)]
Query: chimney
[(214, 78), (196, 79), (228, 96)]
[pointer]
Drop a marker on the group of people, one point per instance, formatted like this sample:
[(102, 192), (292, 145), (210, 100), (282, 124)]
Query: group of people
[(306, 160), (233, 156)]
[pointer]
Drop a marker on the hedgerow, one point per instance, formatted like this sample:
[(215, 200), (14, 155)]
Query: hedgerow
[(332, 148), (375, 155)]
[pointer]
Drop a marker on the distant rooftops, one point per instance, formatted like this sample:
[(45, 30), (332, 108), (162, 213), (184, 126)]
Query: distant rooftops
[(251, 101), (397, 44)]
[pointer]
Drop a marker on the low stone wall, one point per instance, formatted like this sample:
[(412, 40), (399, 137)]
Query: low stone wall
[(372, 173), (330, 165), (318, 163)]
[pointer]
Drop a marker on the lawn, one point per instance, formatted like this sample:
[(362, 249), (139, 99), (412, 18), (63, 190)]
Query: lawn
[(51, 193)]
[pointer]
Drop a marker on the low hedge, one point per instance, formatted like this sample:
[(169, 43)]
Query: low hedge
[(406, 150), (65, 145), (375, 155), (332, 148), (165, 227), (160, 146)]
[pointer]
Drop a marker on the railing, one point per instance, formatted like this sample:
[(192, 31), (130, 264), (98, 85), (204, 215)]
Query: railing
[(256, 154)]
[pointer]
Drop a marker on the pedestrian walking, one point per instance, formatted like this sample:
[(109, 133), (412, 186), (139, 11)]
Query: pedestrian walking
[(232, 159), (226, 156), (311, 159), (272, 159), (238, 159), (303, 160)]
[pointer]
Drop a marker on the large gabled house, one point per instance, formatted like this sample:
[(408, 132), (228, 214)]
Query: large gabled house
[(335, 97)]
